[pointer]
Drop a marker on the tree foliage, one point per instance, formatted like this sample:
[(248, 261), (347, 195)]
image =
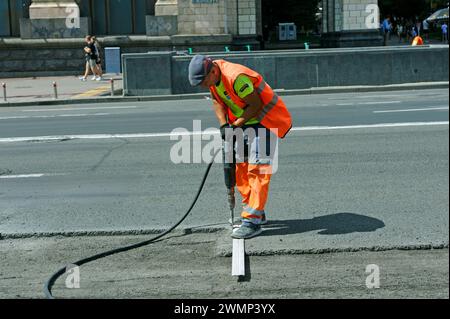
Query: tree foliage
[(410, 8)]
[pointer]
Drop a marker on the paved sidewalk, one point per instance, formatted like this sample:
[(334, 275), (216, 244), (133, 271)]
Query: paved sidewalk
[(100, 94), (68, 87), (394, 41)]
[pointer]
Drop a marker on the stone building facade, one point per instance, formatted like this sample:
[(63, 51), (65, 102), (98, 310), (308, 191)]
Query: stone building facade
[(47, 18), (350, 23), (343, 20), (45, 37)]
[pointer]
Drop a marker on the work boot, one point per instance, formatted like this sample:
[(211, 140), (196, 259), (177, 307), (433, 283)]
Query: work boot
[(246, 231), (263, 220)]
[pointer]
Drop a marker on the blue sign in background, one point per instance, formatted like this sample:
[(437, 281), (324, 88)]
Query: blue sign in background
[(112, 60)]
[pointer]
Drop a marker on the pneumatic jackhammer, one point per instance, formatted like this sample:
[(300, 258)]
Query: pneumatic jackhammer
[(229, 169)]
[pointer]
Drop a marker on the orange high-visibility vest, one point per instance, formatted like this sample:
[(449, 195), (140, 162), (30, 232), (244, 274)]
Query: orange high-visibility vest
[(274, 114)]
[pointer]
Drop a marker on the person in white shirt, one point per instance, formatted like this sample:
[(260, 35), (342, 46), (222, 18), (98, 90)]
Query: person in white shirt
[(400, 32), (425, 28)]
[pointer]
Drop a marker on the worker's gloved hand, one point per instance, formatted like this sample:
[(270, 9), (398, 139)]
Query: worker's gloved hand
[(223, 130)]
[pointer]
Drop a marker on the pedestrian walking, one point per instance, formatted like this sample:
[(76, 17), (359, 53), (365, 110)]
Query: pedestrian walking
[(418, 28), (426, 30), (444, 29), (242, 99), (386, 27), (91, 58), (400, 32), (98, 49), (408, 31)]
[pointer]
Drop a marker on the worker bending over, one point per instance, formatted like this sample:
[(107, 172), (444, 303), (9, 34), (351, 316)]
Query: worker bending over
[(242, 99)]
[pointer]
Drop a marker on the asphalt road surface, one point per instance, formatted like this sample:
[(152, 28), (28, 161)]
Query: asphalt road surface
[(363, 171), (186, 267)]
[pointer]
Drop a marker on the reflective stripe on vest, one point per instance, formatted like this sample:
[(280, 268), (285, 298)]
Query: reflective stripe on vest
[(269, 106)]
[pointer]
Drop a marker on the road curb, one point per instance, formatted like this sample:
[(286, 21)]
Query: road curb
[(223, 246), (225, 250), (362, 88), (99, 233), (281, 92)]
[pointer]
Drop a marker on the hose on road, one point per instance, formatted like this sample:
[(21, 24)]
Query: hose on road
[(51, 281)]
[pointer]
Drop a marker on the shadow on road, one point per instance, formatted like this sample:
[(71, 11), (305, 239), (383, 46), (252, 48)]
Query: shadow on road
[(335, 224)]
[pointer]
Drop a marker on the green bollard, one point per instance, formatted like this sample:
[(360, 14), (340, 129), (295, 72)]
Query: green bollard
[(306, 46), (190, 50), (227, 49), (248, 48)]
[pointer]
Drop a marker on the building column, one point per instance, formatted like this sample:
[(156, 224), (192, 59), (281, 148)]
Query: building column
[(247, 25), (247, 17), (165, 20), (51, 9), (54, 19), (350, 23), (203, 17), (166, 8)]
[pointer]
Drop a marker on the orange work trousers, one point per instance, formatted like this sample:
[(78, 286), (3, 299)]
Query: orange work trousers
[(253, 182), (253, 174)]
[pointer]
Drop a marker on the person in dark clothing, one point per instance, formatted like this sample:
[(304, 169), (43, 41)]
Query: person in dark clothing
[(99, 57), (91, 60)]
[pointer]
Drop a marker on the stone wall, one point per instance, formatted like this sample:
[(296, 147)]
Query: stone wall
[(344, 24), (302, 69), (47, 57), (231, 9), (54, 19), (217, 17), (247, 17), (52, 29), (161, 25), (354, 14), (346, 15), (201, 18)]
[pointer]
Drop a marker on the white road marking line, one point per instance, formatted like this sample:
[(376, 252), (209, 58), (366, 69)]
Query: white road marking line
[(344, 104), (381, 96), (408, 95), (383, 125), (75, 115), (51, 116), (368, 97), (379, 102), (209, 132), (21, 176), (238, 258), (83, 108), (414, 110), (30, 175)]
